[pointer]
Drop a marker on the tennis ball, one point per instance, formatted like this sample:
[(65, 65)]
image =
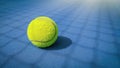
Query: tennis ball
[(42, 31)]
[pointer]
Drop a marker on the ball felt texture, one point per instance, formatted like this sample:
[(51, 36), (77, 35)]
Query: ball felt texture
[(42, 31)]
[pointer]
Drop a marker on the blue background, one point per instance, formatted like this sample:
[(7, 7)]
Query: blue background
[(89, 34)]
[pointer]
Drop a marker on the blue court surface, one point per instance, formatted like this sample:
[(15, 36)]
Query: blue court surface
[(89, 34)]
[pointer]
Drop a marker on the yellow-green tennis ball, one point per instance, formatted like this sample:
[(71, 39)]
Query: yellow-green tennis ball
[(42, 31)]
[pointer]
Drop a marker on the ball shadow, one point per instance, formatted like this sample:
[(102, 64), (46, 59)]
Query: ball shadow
[(61, 43)]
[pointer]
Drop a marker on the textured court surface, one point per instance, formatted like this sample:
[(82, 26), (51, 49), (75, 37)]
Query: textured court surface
[(89, 34)]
